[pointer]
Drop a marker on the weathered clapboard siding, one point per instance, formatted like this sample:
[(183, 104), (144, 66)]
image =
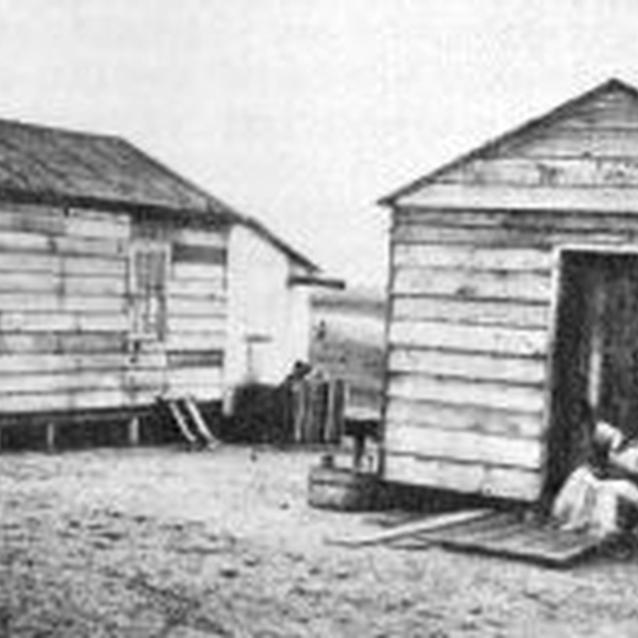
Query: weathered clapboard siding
[(467, 418), (65, 312), (464, 338), (471, 287), (485, 479), (482, 367), (472, 284), (487, 312), (472, 447), (455, 391)]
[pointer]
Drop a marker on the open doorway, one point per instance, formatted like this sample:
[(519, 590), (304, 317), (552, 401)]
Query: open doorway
[(595, 358)]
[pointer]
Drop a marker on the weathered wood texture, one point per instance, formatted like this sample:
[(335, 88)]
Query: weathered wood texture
[(472, 286), (65, 340)]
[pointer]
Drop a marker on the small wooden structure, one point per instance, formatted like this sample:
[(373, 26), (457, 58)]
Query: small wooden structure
[(513, 295), (112, 280), (347, 343), (269, 305)]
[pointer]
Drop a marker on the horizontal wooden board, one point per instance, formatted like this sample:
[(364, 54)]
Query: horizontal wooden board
[(181, 341), (198, 289), (197, 376), (198, 359), (472, 284), (215, 238), (62, 382), (610, 110), (429, 334), (95, 399), (471, 257), (483, 367), (471, 311), (496, 395), (60, 321), (595, 143), (196, 324), (206, 392), (183, 253), (464, 446), (511, 483), (463, 417), (182, 307), (582, 199), (62, 342), (53, 283), (548, 171), (198, 272), (42, 363), (515, 237), (19, 301)]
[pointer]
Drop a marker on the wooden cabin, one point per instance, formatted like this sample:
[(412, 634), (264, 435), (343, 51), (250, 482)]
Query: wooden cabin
[(113, 280), (513, 302)]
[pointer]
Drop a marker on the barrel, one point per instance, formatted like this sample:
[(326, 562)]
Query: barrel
[(342, 489)]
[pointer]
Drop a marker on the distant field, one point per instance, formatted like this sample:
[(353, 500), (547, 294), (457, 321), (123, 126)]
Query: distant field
[(348, 332)]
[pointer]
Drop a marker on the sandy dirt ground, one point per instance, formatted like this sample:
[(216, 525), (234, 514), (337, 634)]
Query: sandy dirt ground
[(166, 543)]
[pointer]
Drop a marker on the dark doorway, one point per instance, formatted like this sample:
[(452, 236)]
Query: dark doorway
[(595, 358)]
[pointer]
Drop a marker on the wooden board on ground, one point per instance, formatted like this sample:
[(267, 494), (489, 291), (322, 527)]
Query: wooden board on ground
[(431, 523), (508, 535)]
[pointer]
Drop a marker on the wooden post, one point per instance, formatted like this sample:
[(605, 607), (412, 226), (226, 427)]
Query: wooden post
[(134, 431), (50, 437)]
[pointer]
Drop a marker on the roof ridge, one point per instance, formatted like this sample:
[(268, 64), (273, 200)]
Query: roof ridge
[(491, 146)]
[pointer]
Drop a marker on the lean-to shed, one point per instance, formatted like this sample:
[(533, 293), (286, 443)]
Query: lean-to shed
[(113, 278), (513, 301)]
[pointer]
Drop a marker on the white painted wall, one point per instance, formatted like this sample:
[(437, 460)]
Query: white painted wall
[(268, 320)]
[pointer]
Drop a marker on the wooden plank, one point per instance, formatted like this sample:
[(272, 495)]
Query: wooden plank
[(198, 272), (196, 324), (24, 241), (582, 199), (196, 376), (435, 522), (60, 382), (549, 171), (595, 143), (458, 445), (20, 301), (472, 284), (45, 402), (44, 363), (497, 340), (179, 341), (512, 483), (183, 253), (196, 359), (61, 321), (199, 289), (89, 246), (499, 396), (482, 367), (464, 417), (472, 257), (212, 238), (487, 312), (62, 342), (181, 307)]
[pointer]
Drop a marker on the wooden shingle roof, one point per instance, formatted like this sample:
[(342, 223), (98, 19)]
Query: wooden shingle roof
[(38, 162)]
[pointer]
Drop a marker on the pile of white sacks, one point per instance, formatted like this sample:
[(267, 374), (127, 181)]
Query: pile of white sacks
[(602, 501)]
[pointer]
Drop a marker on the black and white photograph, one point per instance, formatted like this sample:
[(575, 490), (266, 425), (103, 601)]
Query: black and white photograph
[(318, 319)]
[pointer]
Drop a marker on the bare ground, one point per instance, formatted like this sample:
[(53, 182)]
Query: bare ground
[(165, 543)]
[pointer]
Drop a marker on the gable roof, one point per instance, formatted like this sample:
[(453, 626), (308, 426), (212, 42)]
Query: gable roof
[(58, 165), (53, 164), (517, 136)]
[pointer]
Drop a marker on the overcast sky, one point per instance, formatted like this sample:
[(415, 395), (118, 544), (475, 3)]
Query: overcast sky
[(304, 112)]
